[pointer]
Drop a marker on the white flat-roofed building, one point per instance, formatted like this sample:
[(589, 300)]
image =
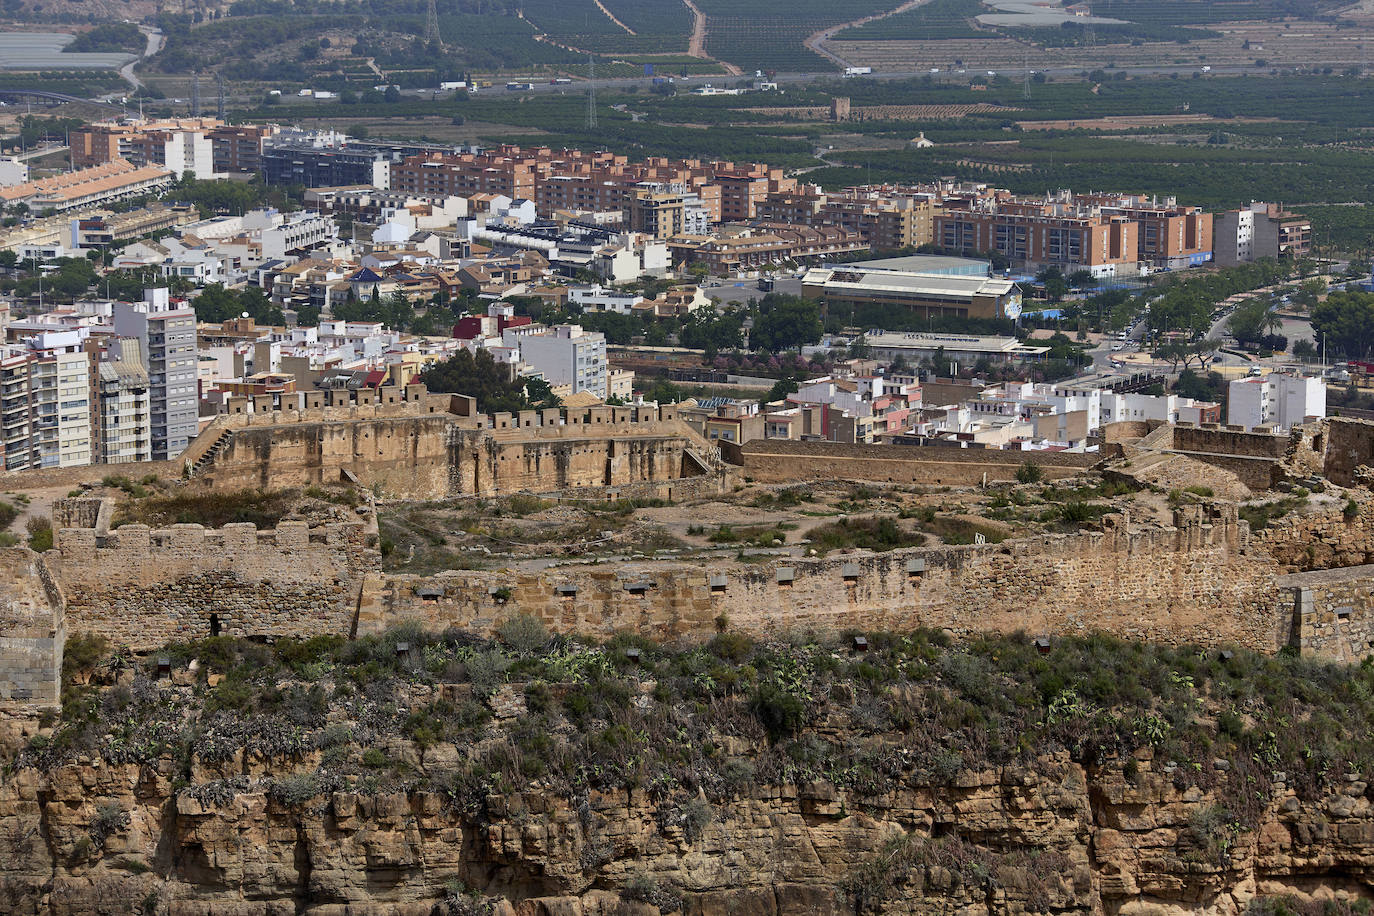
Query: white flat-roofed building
[(1277, 399), (926, 294), (914, 346)]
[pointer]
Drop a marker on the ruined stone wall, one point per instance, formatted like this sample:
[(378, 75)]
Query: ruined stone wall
[(143, 588), (1348, 446), (1332, 612), (784, 461), (1305, 541), (433, 458), (1252, 456), (1228, 440), (411, 449), (405, 455), (1200, 582), (32, 630)]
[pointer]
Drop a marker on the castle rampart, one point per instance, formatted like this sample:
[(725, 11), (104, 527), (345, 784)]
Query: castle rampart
[(431, 447), (32, 630), (144, 587), (1199, 581), (788, 461)]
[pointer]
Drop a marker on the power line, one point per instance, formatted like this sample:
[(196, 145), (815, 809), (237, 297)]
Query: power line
[(432, 25)]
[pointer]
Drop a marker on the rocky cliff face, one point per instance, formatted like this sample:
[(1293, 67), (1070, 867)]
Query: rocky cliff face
[(535, 776), (1055, 837)]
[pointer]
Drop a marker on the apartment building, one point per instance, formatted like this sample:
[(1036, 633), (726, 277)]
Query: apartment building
[(889, 220), (1275, 400), (1168, 408), (13, 170), (763, 244), (45, 404), (1169, 236), (104, 229), (122, 419), (743, 189), (1064, 236), (180, 144), (1261, 230), (564, 355), (658, 214), (573, 180), (166, 334), (315, 166), (237, 148)]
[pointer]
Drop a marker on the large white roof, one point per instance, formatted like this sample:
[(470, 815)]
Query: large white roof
[(838, 279)]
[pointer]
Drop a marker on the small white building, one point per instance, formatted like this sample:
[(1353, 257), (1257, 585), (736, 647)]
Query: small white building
[(12, 171), (1275, 400), (597, 298)]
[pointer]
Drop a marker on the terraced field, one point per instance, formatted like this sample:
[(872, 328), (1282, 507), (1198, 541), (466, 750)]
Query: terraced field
[(1298, 44), (768, 35), (639, 26)]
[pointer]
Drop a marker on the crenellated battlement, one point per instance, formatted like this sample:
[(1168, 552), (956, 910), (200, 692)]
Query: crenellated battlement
[(415, 400), (144, 586), (413, 444), (75, 542), (1191, 582)]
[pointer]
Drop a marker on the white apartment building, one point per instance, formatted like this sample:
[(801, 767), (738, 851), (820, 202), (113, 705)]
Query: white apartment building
[(45, 403), (565, 355), (1275, 400), (166, 332), (187, 151), (1166, 408)]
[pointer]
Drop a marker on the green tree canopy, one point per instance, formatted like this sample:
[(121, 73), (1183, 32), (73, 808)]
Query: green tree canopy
[(1346, 320), (490, 382), (785, 322)]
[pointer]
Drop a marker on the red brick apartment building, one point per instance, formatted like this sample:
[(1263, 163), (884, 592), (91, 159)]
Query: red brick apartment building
[(577, 180)]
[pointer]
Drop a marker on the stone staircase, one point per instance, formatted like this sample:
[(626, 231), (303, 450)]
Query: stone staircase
[(207, 457), (707, 458)]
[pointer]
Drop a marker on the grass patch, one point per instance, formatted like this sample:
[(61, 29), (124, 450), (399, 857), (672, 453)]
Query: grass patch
[(872, 533), (963, 530), (264, 508), (1261, 515)]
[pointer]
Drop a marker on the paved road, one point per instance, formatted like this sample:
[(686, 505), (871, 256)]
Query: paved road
[(956, 76), (154, 39)]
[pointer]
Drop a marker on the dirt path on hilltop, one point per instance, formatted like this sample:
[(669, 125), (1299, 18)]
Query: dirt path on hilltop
[(816, 41), (611, 16), (696, 47)]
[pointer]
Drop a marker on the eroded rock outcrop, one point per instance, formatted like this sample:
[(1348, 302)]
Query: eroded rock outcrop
[(1049, 837)]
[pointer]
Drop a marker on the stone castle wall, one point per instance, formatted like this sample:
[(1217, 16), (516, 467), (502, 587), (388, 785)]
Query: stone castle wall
[(1199, 582), (1204, 580), (142, 587), (1254, 456), (1347, 446), (429, 447), (1333, 612), (785, 461)]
